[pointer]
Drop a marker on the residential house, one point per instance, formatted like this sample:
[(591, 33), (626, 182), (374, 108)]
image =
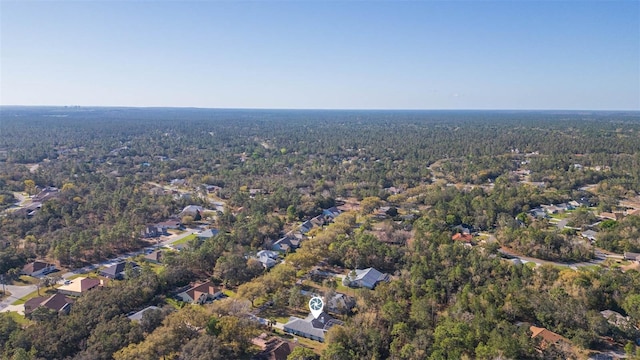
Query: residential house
[(367, 278), (178, 182), (153, 231), (192, 210), (381, 212), (170, 224), (201, 293), (273, 348), (80, 286), (538, 212), (286, 243), (38, 268), (392, 190), (341, 304), (29, 210), (183, 196), (56, 302), (138, 316), (47, 193), (180, 247), (318, 221), (306, 227), (207, 234), (608, 216), (116, 271), (310, 327), (464, 229), (547, 337), (331, 212), (565, 207), (589, 234), (631, 256), (155, 257), (267, 258), (551, 209), (462, 237), (574, 203), (633, 212), (616, 319)]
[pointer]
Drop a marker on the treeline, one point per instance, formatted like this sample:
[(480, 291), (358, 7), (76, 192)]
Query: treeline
[(450, 302)]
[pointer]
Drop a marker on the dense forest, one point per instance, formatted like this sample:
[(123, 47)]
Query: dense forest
[(415, 179)]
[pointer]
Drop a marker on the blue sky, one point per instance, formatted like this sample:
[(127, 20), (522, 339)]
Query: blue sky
[(327, 55)]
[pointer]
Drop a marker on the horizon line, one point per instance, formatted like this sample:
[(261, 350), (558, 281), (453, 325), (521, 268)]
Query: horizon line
[(308, 109)]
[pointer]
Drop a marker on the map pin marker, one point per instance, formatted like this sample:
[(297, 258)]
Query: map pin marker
[(316, 305)]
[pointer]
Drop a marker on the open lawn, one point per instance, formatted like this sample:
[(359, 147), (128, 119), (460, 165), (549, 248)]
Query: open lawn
[(316, 346), (185, 239), (19, 318), (176, 304), (25, 280), (229, 293)]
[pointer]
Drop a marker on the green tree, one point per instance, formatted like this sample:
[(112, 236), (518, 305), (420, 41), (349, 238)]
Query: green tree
[(302, 353)]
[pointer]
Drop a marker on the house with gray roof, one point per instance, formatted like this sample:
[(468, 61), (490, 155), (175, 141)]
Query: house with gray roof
[(367, 278), (267, 258), (207, 234), (116, 271), (341, 303), (331, 212), (306, 227), (286, 243), (310, 327), (138, 316), (589, 234)]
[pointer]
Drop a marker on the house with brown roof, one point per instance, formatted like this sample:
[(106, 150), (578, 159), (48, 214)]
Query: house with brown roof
[(55, 302), (462, 237), (273, 348), (201, 293), (80, 286), (547, 337), (608, 216), (38, 268)]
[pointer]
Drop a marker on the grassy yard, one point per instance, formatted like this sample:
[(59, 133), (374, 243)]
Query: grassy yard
[(173, 302), (25, 280), (316, 346), (185, 239), (18, 318), (230, 293)]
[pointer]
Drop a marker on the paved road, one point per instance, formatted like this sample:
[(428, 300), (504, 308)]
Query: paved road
[(17, 292), (574, 265), (163, 241)]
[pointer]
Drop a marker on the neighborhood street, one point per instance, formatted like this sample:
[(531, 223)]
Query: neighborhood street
[(18, 292)]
